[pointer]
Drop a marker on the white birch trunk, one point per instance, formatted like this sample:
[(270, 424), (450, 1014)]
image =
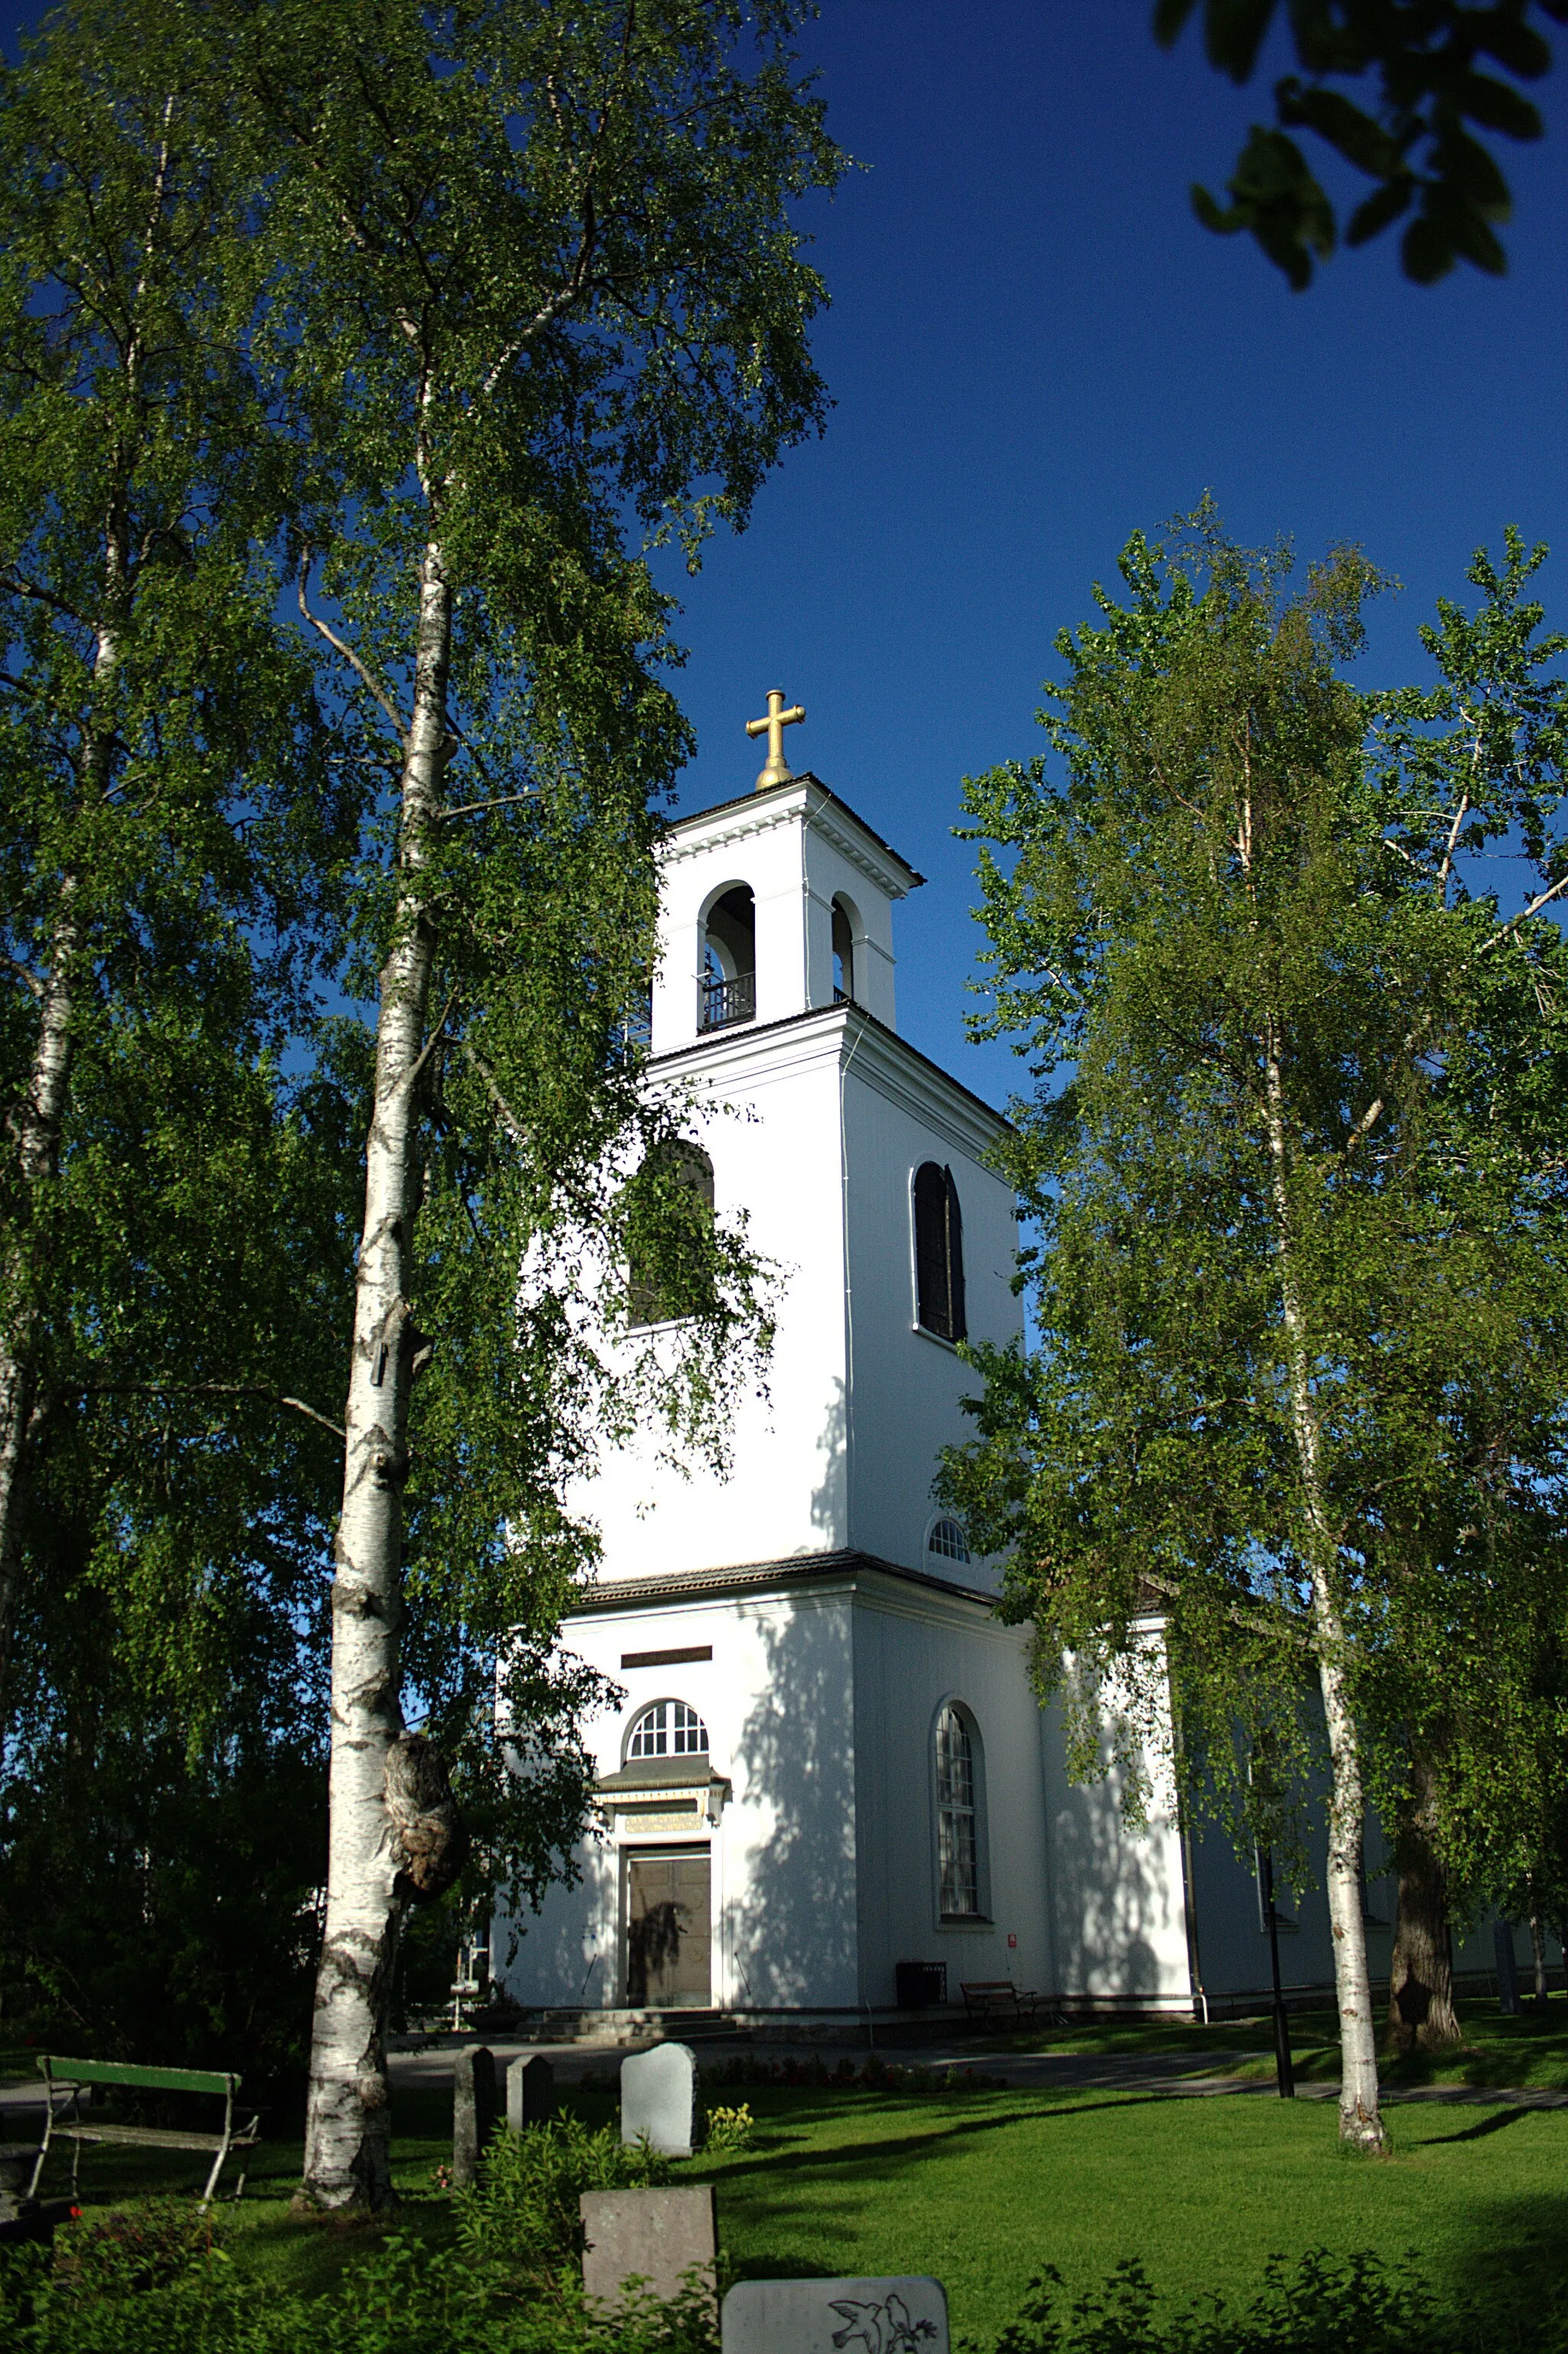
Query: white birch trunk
[(348, 2132), (39, 1126), (1361, 2122), (40, 1121)]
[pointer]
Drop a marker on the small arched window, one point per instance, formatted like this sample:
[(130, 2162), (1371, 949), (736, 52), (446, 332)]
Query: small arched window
[(728, 987), (843, 954), (668, 1729), (958, 1818), (948, 1539), (669, 1231), (939, 1253)]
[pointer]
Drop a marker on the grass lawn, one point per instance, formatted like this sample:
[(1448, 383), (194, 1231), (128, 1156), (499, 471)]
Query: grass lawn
[(1530, 2050), (984, 2189)]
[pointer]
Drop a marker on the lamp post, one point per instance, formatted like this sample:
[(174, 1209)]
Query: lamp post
[(1283, 2069)]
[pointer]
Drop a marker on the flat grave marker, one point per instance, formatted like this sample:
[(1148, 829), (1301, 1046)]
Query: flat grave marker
[(898, 2316), (657, 2235)]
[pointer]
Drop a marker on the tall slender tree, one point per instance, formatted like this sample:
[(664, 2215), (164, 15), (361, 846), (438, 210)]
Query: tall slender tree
[(534, 283), (170, 828), (1255, 947)]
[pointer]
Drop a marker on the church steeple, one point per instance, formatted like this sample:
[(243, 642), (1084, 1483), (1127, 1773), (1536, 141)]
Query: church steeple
[(776, 904)]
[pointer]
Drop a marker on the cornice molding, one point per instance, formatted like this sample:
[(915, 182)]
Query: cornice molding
[(874, 1054), (843, 1570), (805, 801)]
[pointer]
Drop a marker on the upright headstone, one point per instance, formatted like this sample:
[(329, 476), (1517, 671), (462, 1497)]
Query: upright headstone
[(659, 2098), (1508, 1968), (655, 2236), (854, 2317), (530, 2093), (474, 2111)]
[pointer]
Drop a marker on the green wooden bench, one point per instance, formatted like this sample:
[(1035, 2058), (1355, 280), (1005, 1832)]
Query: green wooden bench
[(71, 2078)]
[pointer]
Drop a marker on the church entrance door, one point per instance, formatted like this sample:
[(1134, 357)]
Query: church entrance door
[(669, 1931)]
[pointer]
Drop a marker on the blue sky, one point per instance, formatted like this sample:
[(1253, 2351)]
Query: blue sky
[(1034, 349)]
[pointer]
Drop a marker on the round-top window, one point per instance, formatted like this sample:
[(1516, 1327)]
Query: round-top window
[(668, 1729)]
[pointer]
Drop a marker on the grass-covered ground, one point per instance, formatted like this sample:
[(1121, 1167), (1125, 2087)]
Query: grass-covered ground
[(985, 2188), (1530, 2050)]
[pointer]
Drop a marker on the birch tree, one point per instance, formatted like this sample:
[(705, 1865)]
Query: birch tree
[(536, 284), (170, 829), (1255, 947)]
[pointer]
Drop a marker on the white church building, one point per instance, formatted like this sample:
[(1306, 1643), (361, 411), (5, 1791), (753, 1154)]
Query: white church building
[(830, 1760)]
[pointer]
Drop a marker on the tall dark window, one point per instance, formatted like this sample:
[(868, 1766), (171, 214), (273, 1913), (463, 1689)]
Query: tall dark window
[(958, 1823), (669, 1237), (940, 1252)]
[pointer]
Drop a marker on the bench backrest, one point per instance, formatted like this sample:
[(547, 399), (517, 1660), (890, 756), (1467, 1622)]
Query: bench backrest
[(56, 2070), (987, 1985)]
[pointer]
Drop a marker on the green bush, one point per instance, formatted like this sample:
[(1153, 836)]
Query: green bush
[(1320, 2304), (523, 2219)]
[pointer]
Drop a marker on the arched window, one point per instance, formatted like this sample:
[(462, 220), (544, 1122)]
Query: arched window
[(669, 1231), (668, 1729), (728, 987), (938, 1252), (948, 1539), (958, 1818), (843, 954)]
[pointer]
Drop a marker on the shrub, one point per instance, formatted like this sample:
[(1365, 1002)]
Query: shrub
[(523, 2216), (729, 2129), (1320, 2304)]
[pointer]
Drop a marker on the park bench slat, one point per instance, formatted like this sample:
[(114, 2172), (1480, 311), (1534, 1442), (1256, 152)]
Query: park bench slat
[(141, 2080), (154, 2136)]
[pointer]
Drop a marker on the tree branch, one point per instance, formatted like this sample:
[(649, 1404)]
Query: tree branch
[(349, 656), (468, 809), (514, 1126), (204, 1389)]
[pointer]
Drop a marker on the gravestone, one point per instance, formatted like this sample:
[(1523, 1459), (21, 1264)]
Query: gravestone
[(659, 2098), (1508, 1968), (655, 2235), (530, 2094), (474, 2112), (19, 2213), (905, 2316)]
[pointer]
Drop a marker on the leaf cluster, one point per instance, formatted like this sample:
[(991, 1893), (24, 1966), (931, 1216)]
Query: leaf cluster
[(1443, 74)]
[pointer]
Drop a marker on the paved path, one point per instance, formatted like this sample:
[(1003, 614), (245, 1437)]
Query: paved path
[(1195, 2076), (1192, 2074)]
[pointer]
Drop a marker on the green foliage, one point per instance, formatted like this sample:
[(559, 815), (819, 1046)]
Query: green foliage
[(156, 2276), (729, 2129), (1430, 64), (1304, 1069), (1319, 2302), (250, 341), (522, 2217)]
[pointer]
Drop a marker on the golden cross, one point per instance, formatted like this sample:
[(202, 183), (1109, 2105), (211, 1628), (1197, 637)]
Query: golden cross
[(776, 772)]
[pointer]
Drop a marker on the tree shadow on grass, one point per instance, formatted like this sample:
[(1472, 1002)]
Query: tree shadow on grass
[(1492, 2124), (889, 2153), (1514, 2258), (860, 2172)]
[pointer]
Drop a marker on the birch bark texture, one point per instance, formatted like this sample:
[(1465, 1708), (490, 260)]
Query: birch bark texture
[(1232, 935), (567, 293)]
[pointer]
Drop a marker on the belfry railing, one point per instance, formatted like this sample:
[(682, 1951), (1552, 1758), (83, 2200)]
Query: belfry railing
[(723, 1001)]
